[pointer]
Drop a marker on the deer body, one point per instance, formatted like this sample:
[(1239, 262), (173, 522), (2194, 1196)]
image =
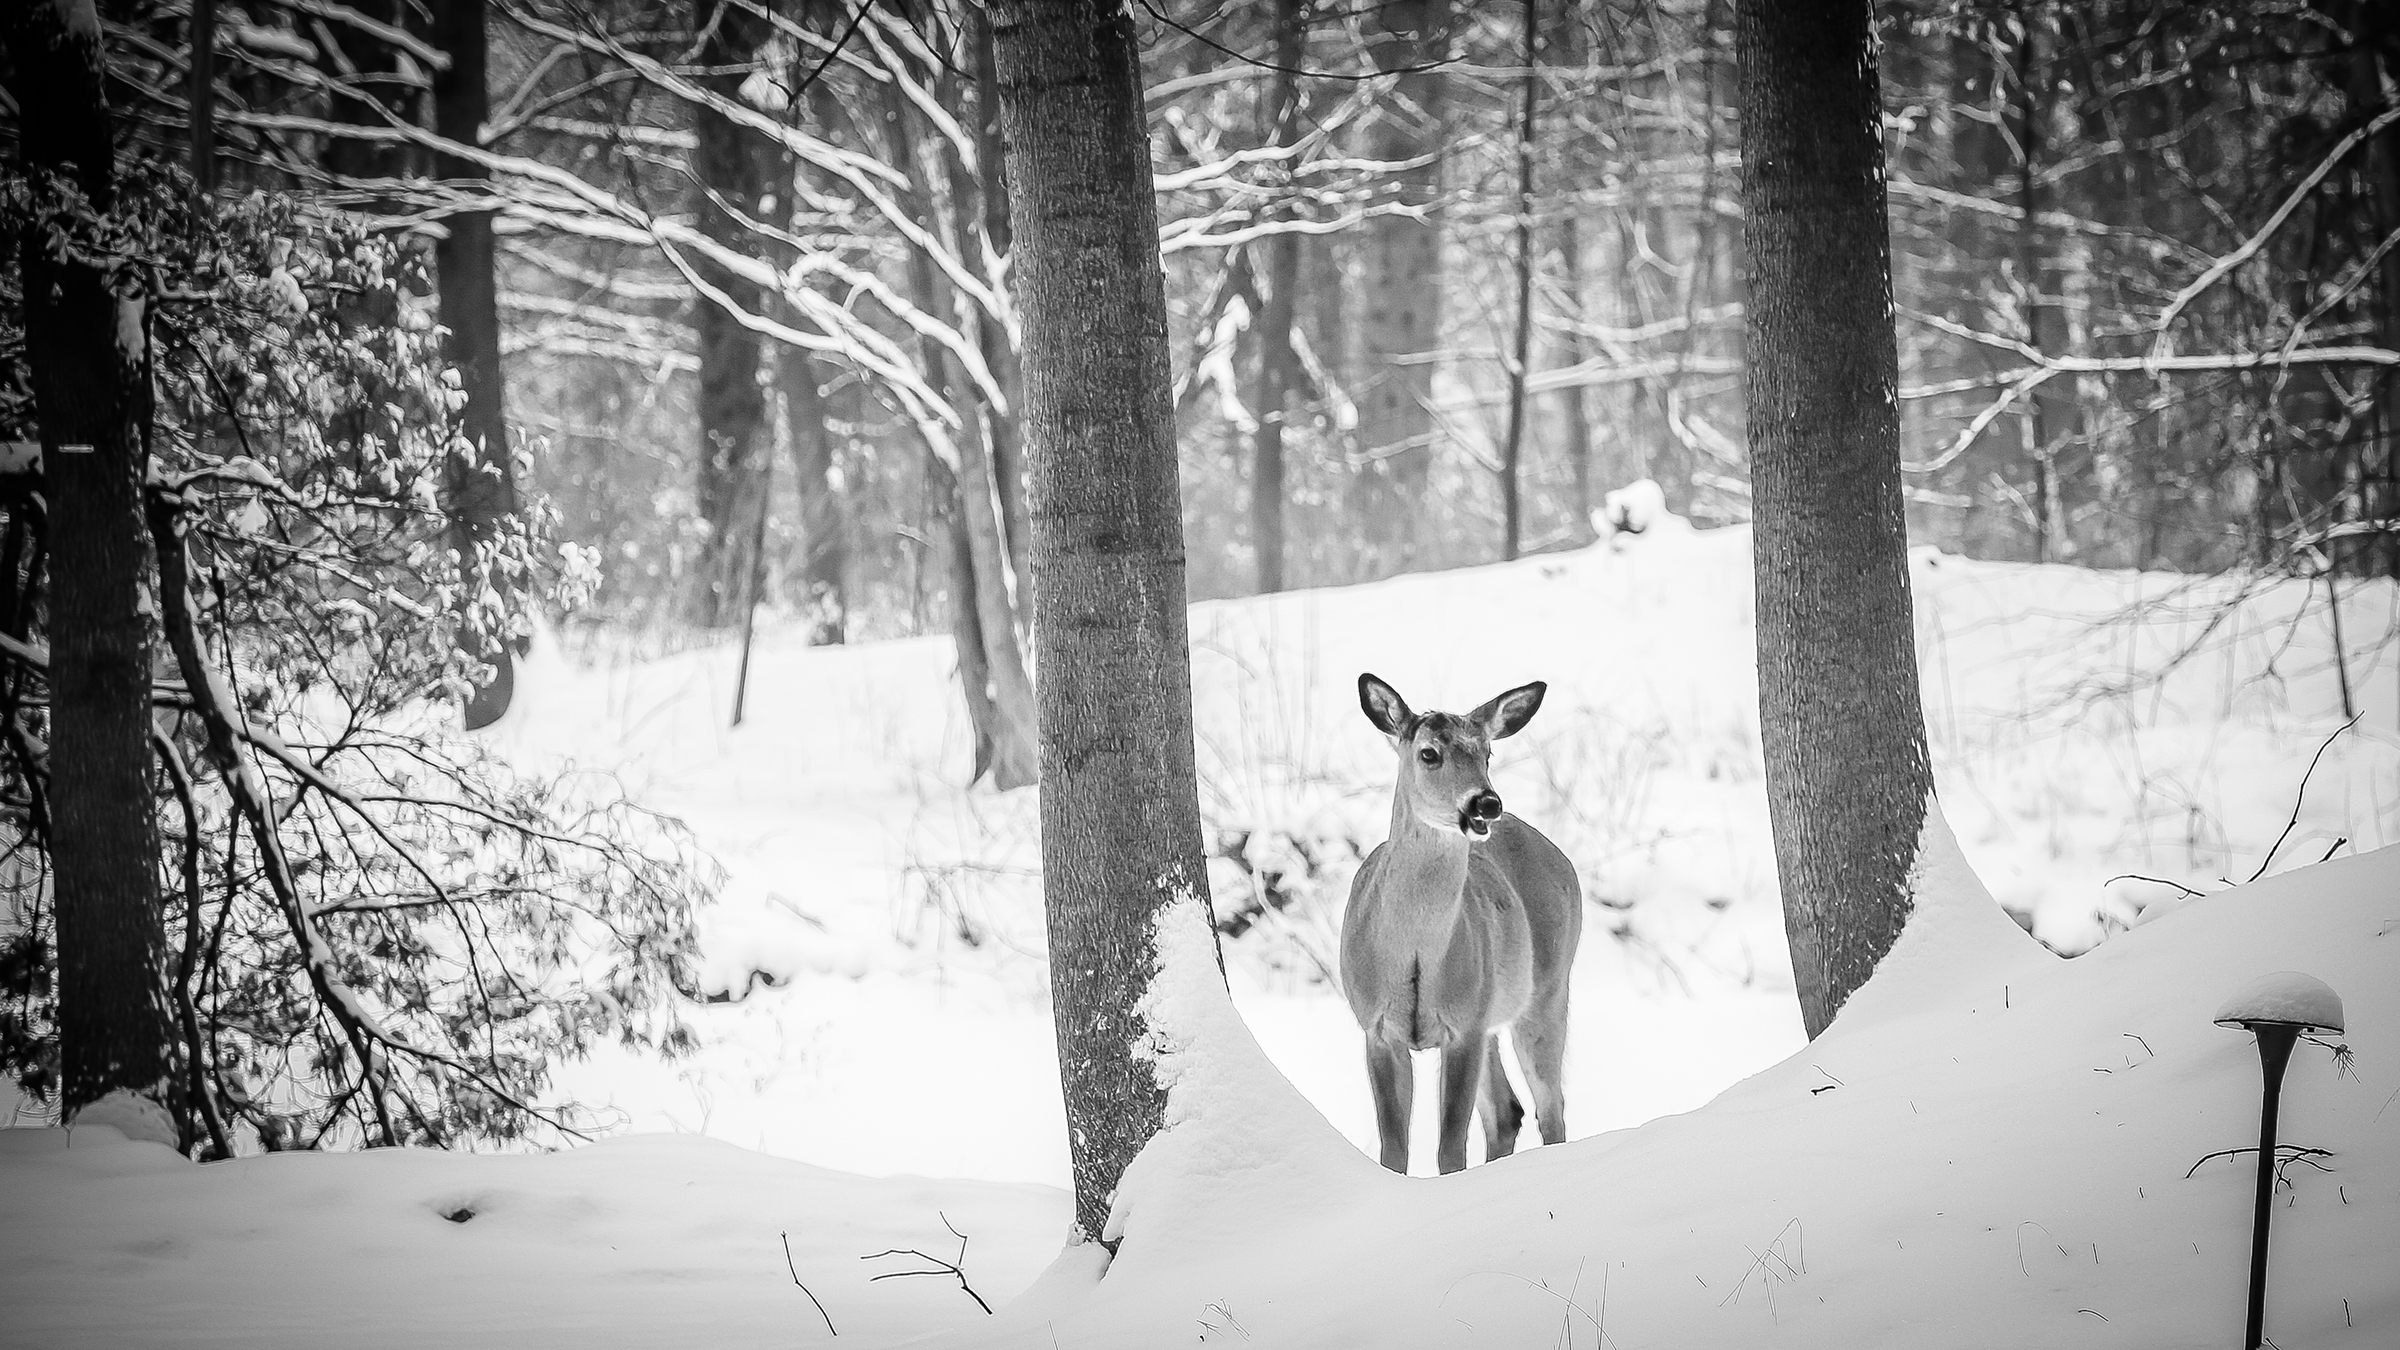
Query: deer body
[(1465, 921)]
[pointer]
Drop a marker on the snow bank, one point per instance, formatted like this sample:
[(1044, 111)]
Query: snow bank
[(1984, 1164), (880, 934), (652, 1240)]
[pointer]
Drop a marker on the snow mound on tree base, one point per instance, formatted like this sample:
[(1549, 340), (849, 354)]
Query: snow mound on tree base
[(1993, 1153), (134, 1116)]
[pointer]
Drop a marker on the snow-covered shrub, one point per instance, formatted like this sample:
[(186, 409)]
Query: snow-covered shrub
[(392, 936)]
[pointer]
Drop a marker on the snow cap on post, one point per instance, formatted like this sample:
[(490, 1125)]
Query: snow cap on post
[(2285, 998)]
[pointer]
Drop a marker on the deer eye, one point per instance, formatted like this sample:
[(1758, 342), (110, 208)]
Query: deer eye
[(1430, 757)]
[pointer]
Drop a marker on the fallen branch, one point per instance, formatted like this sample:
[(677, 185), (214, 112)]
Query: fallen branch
[(812, 1298), (2286, 1155), (940, 1266)]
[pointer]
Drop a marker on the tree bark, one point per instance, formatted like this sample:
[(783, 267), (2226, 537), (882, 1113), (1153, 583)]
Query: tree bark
[(1512, 451), (1571, 42), (824, 544), (483, 490), (1404, 288), (1839, 715), (984, 609), (366, 68), (1277, 367), (2373, 62), (1120, 809), (1571, 399), (88, 350), (2053, 418), (999, 353), (733, 167)]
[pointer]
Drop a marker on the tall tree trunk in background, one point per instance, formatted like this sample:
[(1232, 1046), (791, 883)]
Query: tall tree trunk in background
[(1007, 733), (1120, 805), (1839, 717), (1570, 353), (1571, 46), (90, 363), (2373, 67), (1403, 326), (200, 39), (808, 417), (824, 544), (370, 67), (732, 166), (483, 490), (999, 352), (1278, 373), (2053, 422), (1981, 159), (1512, 452)]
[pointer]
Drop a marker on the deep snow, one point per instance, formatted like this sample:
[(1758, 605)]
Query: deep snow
[(2020, 1149)]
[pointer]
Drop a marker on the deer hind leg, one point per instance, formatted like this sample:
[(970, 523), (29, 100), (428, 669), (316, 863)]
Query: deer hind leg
[(1541, 1038), (1393, 1080), (1462, 1079), (1502, 1113)]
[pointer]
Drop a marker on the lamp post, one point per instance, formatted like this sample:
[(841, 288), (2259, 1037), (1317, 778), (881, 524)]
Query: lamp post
[(2278, 1008)]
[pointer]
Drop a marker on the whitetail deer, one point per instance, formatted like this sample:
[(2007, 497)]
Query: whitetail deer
[(1463, 922)]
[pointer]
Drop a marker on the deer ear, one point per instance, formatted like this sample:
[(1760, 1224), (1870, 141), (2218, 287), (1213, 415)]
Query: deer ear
[(1508, 714), (1383, 704)]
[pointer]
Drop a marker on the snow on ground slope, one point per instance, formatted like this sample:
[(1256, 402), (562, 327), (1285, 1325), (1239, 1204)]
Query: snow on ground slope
[(880, 940), (1992, 1146), (654, 1240), (887, 923)]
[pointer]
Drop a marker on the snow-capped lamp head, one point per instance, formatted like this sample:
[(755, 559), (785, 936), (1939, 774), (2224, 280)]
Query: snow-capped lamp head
[(2280, 1008), (2286, 998)]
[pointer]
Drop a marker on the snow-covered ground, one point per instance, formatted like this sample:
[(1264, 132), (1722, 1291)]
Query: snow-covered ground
[(881, 938)]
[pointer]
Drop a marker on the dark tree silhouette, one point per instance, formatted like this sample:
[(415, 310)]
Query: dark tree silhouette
[(1847, 775), (88, 348), (482, 488)]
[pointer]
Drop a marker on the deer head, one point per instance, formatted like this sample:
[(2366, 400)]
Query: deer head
[(1445, 759)]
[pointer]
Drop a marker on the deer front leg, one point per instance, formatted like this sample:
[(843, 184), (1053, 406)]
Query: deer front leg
[(1462, 1078), (1393, 1080)]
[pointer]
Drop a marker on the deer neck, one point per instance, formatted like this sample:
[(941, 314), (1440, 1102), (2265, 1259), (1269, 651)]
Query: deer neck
[(1425, 875)]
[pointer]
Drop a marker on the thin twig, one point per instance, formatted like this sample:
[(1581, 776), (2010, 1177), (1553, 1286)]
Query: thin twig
[(2155, 881), (2287, 1153), (2294, 822), (812, 1298), (941, 1267)]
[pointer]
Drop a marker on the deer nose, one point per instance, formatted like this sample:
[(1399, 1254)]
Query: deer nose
[(1484, 806)]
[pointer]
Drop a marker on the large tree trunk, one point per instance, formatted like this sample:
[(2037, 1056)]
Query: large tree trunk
[(1847, 776), (483, 490), (89, 357), (1404, 289), (732, 166), (1278, 373), (1120, 809)]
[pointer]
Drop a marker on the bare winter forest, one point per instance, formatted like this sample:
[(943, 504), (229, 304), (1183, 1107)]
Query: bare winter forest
[(543, 541)]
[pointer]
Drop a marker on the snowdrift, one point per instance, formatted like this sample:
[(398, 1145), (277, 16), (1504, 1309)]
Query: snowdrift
[(1989, 1147), (1997, 1158)]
